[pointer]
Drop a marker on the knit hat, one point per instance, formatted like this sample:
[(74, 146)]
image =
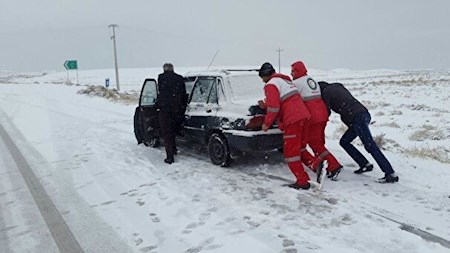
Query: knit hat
[(266, 70)]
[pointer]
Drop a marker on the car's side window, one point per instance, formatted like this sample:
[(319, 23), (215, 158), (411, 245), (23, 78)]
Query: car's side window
[(202, 90), (221, 96), (213, 95), (149, 93)]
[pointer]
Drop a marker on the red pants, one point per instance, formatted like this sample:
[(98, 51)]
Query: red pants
[(314, 136), (292, 136)]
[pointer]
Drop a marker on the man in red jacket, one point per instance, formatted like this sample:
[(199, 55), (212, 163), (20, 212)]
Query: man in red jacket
[(284, 104), (314, 129)]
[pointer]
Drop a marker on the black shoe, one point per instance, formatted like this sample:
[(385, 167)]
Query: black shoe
[(334, 175), (368, 167), (168, 160), (298, 187), (390, 178)]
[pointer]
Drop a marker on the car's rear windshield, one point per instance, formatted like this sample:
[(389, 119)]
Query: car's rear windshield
[(246, 88)]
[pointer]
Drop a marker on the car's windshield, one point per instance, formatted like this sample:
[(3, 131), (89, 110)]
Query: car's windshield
[(246, 88), (189, 82)]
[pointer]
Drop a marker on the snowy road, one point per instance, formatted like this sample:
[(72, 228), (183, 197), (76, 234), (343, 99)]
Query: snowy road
[(116, 196), (58, 228)]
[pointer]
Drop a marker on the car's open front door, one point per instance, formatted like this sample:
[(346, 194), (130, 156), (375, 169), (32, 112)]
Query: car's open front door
[(146, 125)]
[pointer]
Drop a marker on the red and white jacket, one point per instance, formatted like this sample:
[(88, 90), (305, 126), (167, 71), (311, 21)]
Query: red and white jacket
[(283, 102), (310, 91)]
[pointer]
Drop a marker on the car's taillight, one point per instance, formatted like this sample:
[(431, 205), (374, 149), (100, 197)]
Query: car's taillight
[(255, 123)]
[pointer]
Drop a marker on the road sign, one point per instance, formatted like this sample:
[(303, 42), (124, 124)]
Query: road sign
[(71, 64), (107, 82)]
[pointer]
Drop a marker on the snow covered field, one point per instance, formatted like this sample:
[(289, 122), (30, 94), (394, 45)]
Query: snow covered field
[(116, 196)]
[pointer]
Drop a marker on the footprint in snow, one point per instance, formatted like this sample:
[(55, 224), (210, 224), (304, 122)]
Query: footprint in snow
[(204, 216), (107, 203), (196, 198), (148, 184), (155, 218), (288, 243), (202, 246), (138, 241), (148, 249), (185, 232)]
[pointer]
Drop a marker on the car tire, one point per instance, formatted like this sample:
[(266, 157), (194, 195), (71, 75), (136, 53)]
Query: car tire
[(218, 150), (153, 142)]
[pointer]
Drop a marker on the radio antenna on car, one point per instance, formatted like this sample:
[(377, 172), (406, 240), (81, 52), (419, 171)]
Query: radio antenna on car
[(213, 59)]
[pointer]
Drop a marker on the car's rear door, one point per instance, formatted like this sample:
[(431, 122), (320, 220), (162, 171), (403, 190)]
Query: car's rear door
[(146, 125), (202, 107)]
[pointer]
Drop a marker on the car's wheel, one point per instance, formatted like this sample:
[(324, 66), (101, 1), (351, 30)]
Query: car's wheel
[(218, 150), (153, 142)]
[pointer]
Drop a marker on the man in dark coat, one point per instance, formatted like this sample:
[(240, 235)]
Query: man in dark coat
[(357, 118), (172, 102)]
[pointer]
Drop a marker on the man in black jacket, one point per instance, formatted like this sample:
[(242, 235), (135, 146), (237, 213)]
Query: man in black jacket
[(172, 102), (357, 118)]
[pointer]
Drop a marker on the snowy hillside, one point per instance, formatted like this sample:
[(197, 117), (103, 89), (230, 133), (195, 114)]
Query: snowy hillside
[(116, 196)]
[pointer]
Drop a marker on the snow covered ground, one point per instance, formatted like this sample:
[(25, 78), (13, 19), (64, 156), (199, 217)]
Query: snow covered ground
[(116, 196)]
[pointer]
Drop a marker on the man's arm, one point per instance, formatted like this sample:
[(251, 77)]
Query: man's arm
[(326, 99)]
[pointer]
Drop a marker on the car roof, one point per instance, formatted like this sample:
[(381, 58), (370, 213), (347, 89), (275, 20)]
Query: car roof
[(223, 72)]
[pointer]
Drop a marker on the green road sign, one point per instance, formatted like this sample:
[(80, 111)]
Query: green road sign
[(71, 64)]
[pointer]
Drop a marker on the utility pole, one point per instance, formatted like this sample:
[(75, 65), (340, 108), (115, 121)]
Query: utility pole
[(113, 37), (279, 50)]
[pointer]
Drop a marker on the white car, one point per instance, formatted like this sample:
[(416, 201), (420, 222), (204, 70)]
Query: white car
[(222, 113)]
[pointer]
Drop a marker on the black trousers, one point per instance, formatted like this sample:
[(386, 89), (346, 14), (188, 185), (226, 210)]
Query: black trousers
[(167, 124)]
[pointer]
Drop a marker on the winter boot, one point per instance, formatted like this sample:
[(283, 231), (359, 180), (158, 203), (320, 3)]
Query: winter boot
[(388, 178), (298, 187), (169, 160), (334, 174), (368, 167)]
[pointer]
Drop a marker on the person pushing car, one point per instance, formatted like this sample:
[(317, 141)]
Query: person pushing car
[(284, 104), (357, 118), (314, 129)]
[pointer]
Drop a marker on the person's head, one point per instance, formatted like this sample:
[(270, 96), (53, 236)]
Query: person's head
[(298, 70), (168, 67), (266, 71)]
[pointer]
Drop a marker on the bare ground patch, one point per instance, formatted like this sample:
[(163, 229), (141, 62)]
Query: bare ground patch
[(110, 94)]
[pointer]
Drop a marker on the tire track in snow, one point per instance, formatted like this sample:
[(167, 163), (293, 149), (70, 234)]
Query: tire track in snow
[(59, 230)]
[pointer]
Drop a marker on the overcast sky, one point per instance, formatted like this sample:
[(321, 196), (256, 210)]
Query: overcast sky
[(357, 34)]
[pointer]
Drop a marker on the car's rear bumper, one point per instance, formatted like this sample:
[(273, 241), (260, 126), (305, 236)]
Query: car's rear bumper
[(254, 140)]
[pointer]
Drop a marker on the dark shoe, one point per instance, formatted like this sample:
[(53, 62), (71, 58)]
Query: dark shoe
[(334, 174), (368, 167), (390, 178), (168, 160), (298, 187)]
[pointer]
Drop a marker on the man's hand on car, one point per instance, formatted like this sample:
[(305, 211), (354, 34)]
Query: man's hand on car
[(265, 128), (262, 104)]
